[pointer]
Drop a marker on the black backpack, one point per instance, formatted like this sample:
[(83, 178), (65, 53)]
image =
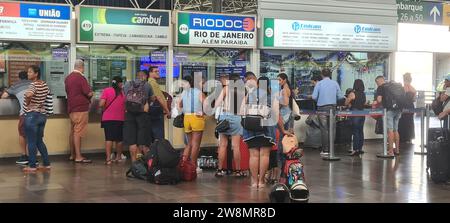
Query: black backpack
[(162, 163), (437, 106), (394, 96), (138, 169)]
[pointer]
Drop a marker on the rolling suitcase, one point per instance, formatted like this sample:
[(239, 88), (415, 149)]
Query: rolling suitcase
[(438, 157)]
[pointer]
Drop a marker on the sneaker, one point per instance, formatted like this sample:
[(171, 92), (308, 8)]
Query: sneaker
[(324, 153), (113, 156), (123, 157), (199, 170), (23, 160)]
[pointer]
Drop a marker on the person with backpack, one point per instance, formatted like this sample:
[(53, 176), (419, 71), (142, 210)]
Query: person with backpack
[(158, 108), (18, 90), (356, 100), (137, 122), (113, 103), (446, 106), (388, 95), (35, 119)]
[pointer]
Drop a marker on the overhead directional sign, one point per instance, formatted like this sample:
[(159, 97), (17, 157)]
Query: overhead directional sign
[(413, 11), (446, 15)]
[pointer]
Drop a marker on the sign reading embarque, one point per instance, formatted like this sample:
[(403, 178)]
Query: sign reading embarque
[(216, 30), (282, 33), (43, 22), (125, 26)]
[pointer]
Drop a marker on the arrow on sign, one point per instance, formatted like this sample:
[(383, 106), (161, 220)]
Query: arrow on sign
[(435, 11)]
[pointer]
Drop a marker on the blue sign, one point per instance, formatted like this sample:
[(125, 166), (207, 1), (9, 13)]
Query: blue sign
[(45, 11), (221, 22), (433, 13), (230, 70)]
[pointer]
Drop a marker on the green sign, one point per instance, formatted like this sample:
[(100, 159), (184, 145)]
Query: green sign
[(107, 25), (416, 11)]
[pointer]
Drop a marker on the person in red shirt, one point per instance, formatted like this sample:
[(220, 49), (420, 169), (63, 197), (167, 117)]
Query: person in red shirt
[(79, 96)]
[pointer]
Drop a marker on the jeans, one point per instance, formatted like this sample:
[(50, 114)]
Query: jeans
[(324, 125), (358, 132), (157, 128), (393, 117), (34, 130)]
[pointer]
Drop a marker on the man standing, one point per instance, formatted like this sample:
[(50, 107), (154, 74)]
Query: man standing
[(393, 116), (137, 121), (18, 90), (79, 96), (326, 93), (158, 107)]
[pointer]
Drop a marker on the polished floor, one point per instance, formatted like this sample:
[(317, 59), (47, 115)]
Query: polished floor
[(352, 179)]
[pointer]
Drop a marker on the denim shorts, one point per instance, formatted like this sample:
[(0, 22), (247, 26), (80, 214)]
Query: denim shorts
[(393, 117), (235, 124)]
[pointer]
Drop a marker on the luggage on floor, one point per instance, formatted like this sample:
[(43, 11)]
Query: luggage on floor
[(187, 170), (162, 163), (313, 134), (279, 194), (438, 155), (138, 170), (343, 132), (245, 157)]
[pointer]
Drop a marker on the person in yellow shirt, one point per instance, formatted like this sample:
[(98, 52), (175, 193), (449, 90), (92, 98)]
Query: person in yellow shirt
[(158, 108)]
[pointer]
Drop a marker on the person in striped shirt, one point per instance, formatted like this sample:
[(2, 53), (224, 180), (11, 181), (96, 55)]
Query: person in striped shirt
[(35, 118)]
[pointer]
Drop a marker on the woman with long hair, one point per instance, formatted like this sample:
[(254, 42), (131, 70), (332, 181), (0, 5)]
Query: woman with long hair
[(406, 122), (191, 104), (285, 121), (35, 118), (112, 102), (356, 100)]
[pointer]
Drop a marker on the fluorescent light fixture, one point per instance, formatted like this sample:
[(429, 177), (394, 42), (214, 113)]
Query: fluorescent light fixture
[(82, 46), (146, 48)]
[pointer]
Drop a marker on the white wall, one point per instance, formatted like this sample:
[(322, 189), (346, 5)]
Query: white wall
[(442, 66)]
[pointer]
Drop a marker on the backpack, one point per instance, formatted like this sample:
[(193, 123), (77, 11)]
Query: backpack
[(135, 98), (187, 170), (162, 161), (394, 96), (437, 105), (294, 177), (138, 170)]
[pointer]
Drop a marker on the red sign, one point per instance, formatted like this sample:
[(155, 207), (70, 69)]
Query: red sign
[(8, 9)]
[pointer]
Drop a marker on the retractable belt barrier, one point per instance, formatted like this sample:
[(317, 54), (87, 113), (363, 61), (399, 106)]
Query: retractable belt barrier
[(333, 113)]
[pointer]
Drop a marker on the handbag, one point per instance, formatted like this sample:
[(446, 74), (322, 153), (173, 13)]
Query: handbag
[(178, 121), (222, 125), (254, 115), (106, 108)]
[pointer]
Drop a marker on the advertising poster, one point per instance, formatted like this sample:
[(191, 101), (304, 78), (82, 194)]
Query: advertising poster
[(124, 26), (213, 30)]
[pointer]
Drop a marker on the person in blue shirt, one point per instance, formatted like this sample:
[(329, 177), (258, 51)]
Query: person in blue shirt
[(326, 93)]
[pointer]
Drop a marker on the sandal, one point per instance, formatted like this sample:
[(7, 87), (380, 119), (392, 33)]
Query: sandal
[(83, 161), (239, 173), (108, 162), (219, 173)]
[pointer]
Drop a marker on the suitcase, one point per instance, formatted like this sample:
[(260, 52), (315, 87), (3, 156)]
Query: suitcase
[(245, 157), (343, 132), (438, 154)]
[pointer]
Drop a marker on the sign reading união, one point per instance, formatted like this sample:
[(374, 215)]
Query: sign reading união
[(216, 30), (125, 26), (23, 21)]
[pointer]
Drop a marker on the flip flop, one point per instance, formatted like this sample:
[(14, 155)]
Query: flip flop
[(83, 161)]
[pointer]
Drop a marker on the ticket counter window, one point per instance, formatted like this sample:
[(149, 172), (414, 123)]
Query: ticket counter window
[(300, 66), (53, 60), (211, 62), (103, 62)]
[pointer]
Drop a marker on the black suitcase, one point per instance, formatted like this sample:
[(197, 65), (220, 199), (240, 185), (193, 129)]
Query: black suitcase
[(343, 132), (438, 154)]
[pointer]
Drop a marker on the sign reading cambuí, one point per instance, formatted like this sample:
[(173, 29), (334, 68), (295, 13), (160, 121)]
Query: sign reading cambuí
[(34, 22), (123, 26), (215, 30)]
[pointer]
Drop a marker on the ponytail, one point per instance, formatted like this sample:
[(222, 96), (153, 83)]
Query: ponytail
[(115, 84)]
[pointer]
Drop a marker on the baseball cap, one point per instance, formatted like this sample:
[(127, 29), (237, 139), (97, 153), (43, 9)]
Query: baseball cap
[(447, 77)]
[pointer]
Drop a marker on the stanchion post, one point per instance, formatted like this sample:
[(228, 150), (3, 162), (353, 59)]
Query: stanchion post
[(422, 133), (332, 122), (385, 133)]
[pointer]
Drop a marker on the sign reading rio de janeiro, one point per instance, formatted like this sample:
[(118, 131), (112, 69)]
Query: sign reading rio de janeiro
[(216, 30), (34, 22), (123, 26)]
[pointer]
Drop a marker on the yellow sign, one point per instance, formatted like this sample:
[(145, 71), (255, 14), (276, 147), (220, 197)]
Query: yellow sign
[(446, 14)]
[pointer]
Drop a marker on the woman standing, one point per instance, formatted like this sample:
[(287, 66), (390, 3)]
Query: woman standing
[(406, 122), (356, 101), (191, 104), (286, 122), (35, 118), (258, 142), (228, 103), (113, 103)]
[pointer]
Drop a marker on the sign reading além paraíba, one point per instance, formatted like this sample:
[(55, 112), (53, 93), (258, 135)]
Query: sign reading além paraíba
[(34, 22), (215, 30), (124, 26)]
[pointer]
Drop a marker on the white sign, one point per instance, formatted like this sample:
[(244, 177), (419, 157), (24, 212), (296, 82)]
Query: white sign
[(282, 33), (22, 21)]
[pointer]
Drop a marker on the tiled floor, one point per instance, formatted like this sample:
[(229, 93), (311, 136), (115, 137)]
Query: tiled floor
[(352, 179)]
